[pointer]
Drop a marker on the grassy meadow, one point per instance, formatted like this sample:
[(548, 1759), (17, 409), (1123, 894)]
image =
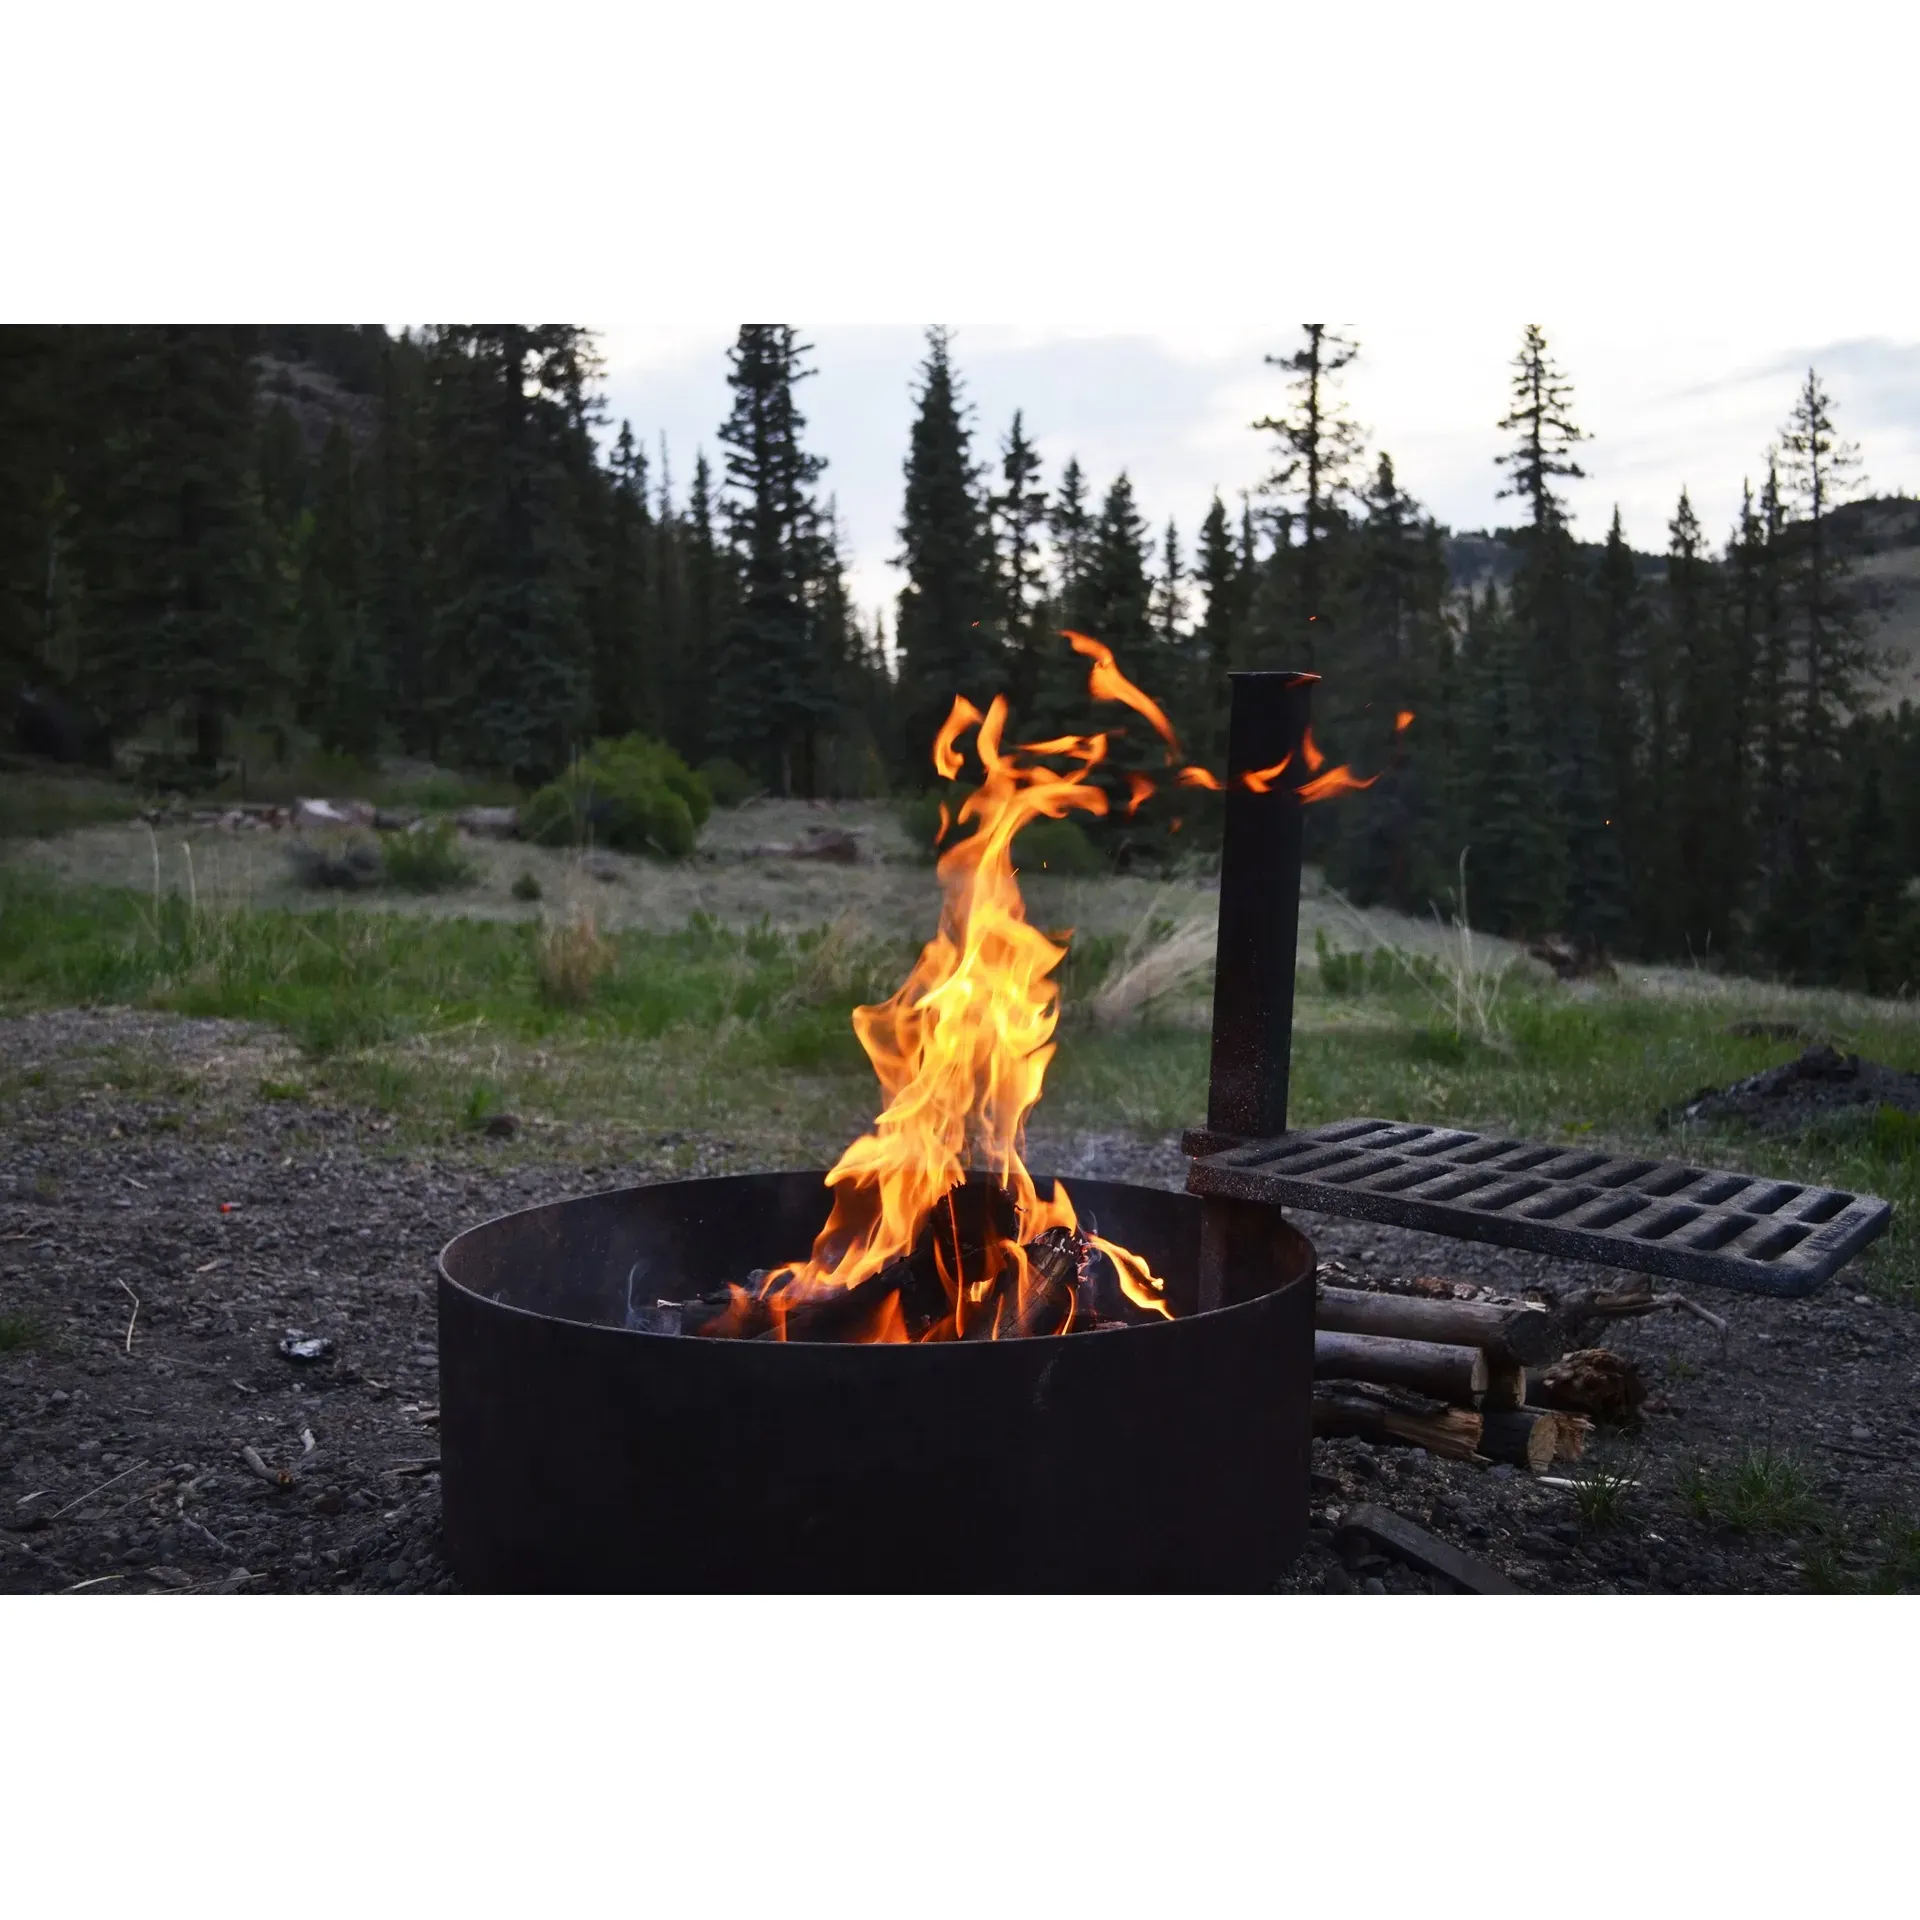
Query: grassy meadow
[(611, 1002)]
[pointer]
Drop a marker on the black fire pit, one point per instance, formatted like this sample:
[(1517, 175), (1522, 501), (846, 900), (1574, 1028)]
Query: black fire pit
[(580, 1456)]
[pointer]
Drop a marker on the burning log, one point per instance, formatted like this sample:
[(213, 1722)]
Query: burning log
[(1523, 1334), (1361, 1410), (1450, 1373), (1056, 1296), (1056, 1267)]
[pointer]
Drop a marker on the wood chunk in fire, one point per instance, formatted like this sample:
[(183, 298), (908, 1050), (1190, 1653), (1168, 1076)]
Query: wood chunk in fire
[(1056, 1291)]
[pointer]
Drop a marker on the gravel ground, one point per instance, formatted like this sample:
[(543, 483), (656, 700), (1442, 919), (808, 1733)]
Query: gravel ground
[(173, 1448)]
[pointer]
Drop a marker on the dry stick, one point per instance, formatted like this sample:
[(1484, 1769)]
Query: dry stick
[(1451, 1373), (101, 1488), (134, 1315)]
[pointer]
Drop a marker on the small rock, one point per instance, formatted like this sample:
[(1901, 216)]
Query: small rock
[(1373, 1586), (57, 1399), (1859, 1433)]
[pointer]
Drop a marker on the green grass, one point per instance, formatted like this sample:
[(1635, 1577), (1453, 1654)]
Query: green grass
[(1601, 1498), (1761, 1490), (17, 1333), (713, 1027)]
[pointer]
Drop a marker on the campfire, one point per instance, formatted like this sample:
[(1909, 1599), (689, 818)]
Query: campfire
[(905, 1407), (961, 1052)]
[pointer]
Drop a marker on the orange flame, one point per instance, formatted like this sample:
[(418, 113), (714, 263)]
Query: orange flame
[(961, 1050), (1335, 780), (1107, 682), (1403, 720)]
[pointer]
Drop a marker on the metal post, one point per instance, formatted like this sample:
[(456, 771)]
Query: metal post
[(1253, 967)]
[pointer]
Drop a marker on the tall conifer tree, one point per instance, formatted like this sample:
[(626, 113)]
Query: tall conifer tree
[(948, 637)]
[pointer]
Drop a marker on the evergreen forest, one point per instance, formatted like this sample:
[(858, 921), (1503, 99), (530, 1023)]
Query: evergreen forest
[(231, 547)]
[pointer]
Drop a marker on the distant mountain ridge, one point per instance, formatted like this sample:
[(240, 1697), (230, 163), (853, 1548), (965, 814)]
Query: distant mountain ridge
[(1882, 534)]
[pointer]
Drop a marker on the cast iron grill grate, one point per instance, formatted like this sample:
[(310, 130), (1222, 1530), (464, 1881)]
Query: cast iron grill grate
[(1653, 1216)]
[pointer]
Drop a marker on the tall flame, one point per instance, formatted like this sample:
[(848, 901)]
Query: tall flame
[(961, 1050)]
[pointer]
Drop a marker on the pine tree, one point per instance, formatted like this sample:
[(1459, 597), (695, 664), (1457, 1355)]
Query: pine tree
[(626, 694), (1548, 616), (1019, 518), (771, 684), (396, 611), (341, 672), (511, 661), (1319, 444), (1545, 434), (169, 532), (947, 635), (711, 599), (1518, 858), (1070, 526), (1619, 657), (1822, 632), (1391, 659), (1217, 639), (30, 467), (1116, 589)]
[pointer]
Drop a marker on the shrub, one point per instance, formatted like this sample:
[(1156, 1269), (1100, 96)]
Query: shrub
[(728, 781), (342, 861), (634, 795), (427, 859), (1058, 846)]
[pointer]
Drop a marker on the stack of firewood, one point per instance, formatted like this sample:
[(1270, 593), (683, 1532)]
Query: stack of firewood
[(1492, 1379)]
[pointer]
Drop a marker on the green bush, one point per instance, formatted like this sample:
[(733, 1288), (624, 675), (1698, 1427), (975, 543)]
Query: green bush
[(633, 795), (428, 859), (1058, 847), (728, 781)]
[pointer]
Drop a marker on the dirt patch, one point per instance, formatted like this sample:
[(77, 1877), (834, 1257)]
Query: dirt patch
[(158, 1248), (1788, 1098)]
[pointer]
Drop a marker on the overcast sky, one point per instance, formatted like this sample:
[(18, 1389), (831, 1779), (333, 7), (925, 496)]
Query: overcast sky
[(1667, 407)]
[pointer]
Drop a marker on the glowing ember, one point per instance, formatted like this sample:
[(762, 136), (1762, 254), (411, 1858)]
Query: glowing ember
[(961, 1052)]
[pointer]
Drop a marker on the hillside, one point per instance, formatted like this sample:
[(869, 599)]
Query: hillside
[(1883, 535)]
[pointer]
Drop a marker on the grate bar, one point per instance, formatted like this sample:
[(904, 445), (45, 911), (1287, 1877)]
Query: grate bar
[(1669, 1218)]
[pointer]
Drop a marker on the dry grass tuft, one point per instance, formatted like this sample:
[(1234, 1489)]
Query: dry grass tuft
[(1159, 962), (570, 956)]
